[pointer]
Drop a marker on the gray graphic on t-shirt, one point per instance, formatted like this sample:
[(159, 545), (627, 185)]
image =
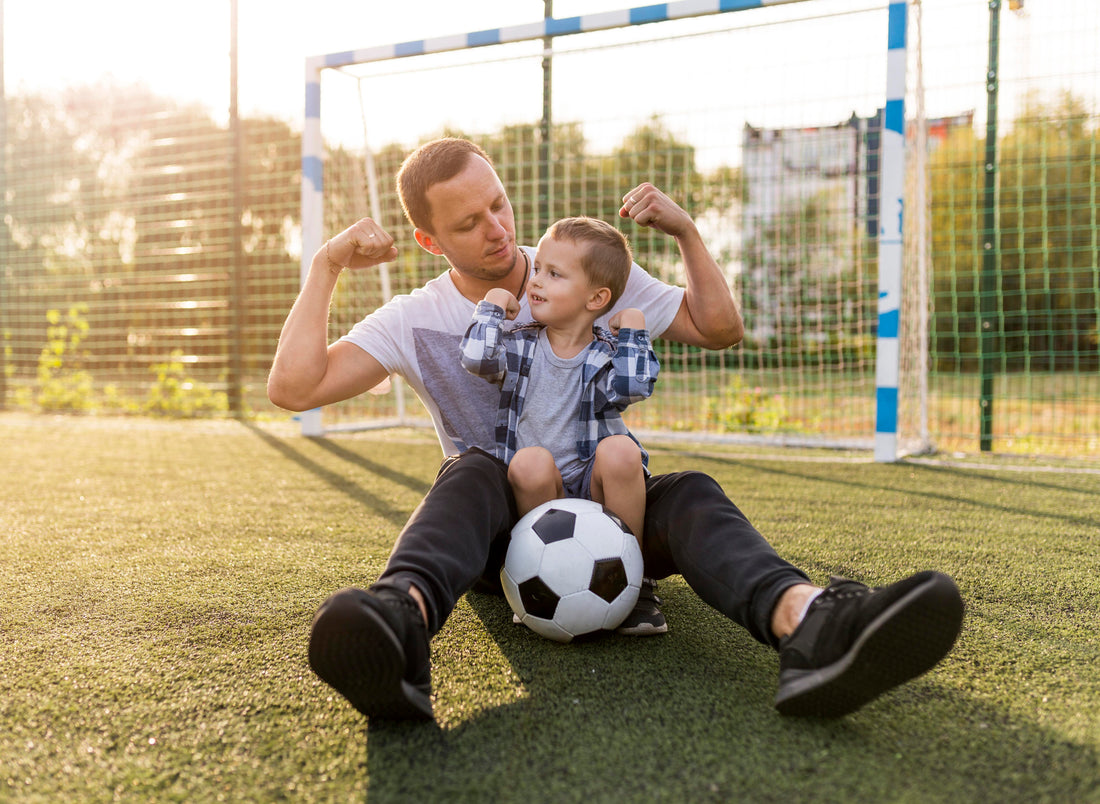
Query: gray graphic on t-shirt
[(467, 404)]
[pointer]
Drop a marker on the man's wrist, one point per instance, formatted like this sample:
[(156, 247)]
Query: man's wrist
[(334, 267)]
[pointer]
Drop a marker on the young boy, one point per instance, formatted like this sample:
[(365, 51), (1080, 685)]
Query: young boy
[(565, 381)]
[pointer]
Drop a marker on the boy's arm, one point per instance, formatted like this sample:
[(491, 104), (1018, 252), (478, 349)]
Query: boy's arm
[(634, 366), (482, 348)]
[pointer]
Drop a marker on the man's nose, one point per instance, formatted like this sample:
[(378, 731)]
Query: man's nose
[(496, 230)]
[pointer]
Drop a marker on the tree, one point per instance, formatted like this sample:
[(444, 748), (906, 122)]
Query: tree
[(1048, 169)]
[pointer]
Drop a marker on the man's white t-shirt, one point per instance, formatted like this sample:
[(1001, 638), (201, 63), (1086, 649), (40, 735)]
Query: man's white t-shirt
[(417, 336)]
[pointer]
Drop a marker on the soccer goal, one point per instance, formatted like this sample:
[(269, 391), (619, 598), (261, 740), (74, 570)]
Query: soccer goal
[(780, 126)]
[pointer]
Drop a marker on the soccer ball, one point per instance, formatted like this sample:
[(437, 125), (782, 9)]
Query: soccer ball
[(572, 568)]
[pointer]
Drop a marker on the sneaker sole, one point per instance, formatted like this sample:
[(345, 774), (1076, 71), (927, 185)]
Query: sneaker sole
[(643, 629), (353, 649), (907, 639)]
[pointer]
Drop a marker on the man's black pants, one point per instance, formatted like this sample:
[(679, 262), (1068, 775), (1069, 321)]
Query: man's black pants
[(458, 535)]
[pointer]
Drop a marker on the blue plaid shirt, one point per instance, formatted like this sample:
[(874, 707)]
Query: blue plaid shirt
[(615, 374)]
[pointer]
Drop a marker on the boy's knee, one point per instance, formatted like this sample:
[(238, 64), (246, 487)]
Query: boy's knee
[(619, 452), (531, 466)]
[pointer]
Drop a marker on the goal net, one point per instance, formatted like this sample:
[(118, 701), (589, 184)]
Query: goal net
[(771, 127)]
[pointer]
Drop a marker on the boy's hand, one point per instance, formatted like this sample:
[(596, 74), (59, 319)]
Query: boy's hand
[(504, 299), (630, 318)]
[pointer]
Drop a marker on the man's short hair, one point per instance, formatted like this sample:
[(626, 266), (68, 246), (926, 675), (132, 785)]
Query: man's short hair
[(431, 163), (607, 257)]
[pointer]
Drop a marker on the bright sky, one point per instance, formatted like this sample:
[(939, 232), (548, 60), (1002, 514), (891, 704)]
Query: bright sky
[(57, 43), (54, 43)]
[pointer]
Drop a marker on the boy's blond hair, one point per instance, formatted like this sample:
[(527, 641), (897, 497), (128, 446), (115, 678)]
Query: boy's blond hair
[(607, 257)]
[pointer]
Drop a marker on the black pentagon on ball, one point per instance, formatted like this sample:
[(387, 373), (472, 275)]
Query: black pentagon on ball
[(538, 598), (608, 578), (614, 518), (554, 526)]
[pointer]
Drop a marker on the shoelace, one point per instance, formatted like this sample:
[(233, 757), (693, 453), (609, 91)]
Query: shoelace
[(649, 591), (842, 589)]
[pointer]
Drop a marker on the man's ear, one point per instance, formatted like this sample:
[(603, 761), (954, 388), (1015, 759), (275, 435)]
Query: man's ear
[(599, 299), (427, 242)]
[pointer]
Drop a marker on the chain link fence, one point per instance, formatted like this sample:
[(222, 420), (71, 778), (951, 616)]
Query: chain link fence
[(150, 250)]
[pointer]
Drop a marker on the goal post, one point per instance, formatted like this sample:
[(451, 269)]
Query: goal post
[(817, 331), (890, 245)]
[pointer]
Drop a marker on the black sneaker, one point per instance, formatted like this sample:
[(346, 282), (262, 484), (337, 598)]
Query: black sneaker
[(856, 643), (646, 618), (372, 647)]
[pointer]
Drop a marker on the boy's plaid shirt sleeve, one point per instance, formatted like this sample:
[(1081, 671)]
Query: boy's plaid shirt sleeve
[(618, 371), (634, 369), (483, 351)]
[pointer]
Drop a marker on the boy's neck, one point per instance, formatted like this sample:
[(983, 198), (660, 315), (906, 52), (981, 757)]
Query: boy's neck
[(569, 341)]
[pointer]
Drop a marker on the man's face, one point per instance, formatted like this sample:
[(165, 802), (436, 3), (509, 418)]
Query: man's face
[(473, 225)]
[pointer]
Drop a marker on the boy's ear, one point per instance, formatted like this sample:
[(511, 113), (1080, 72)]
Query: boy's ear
[(598, 299), (427, 242)]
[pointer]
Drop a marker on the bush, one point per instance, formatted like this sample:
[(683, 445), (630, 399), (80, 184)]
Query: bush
[(748, 410), (63, 384), (176, 394)]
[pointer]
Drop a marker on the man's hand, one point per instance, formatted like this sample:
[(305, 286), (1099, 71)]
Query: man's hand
[(648, 206), (364, 244), (708, 315), (630, 318), (504, 299)]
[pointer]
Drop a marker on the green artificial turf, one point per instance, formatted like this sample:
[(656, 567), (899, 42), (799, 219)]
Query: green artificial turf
[(159, 580)]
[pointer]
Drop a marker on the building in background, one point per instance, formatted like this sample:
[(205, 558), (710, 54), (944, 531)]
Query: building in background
[(811, 205)]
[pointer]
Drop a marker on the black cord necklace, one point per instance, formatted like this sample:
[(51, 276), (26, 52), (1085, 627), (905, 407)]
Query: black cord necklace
[(526, 273)]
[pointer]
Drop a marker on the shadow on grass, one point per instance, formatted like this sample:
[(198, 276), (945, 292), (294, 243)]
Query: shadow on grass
[(831, 476), (396, 515), (689, 717), (414, 484), (1029, 482)]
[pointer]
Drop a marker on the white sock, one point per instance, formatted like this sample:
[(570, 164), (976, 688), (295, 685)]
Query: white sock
[(809, 600)]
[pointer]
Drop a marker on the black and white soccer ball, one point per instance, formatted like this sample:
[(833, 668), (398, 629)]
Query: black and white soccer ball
[(572, 568)]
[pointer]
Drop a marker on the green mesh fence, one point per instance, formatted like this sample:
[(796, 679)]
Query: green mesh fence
[(120, 255), (134, 281), (1028, 284)]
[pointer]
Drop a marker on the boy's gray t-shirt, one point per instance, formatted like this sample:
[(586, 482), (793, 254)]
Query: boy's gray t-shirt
[(551, 408)]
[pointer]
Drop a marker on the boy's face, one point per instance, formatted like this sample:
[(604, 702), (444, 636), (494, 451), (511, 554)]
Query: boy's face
[(559, 292)]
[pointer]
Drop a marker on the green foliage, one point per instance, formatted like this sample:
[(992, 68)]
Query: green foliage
[(113, 400), (1048, 302), (177, 394), (743, 409), (9, 367), (64, 386)]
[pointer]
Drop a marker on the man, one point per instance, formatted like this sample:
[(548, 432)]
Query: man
[(839, 647)]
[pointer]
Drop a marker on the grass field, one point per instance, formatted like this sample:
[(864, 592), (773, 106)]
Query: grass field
[(159, 580)]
